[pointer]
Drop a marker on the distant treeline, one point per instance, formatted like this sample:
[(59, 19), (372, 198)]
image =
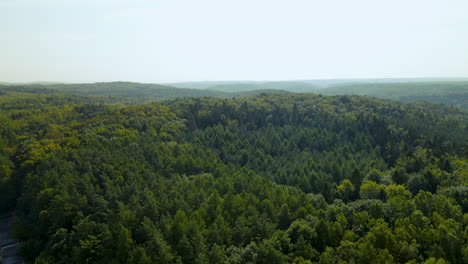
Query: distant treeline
[(453, 93), (438, 91)]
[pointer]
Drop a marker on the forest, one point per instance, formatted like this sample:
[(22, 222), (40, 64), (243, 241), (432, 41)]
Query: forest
[(450, 91), (264, 177), (447, 92), (453, 91)]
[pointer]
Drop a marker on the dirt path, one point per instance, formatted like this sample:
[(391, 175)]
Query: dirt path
[(8, 245)]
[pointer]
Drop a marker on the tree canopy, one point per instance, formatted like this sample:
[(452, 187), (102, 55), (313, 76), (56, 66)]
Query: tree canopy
[(271, 178)]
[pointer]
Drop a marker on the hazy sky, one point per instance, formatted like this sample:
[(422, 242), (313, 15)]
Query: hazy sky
[(175, 40)]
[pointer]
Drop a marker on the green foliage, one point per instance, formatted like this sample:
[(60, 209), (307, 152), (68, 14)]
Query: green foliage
[(267, 179)]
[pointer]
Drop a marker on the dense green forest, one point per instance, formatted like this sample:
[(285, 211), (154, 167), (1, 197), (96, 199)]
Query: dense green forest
[(270, 178)]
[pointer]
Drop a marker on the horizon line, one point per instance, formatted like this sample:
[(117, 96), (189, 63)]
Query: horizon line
[(238, 81)]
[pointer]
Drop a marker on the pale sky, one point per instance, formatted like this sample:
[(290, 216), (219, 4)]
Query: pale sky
[(176, 40)]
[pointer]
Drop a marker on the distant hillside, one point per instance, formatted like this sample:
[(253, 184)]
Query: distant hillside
[(122, 92), (291, 86), (140, 91), (133, 90), (448, 92), (298, 85), (258, 92), (454, 93)]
